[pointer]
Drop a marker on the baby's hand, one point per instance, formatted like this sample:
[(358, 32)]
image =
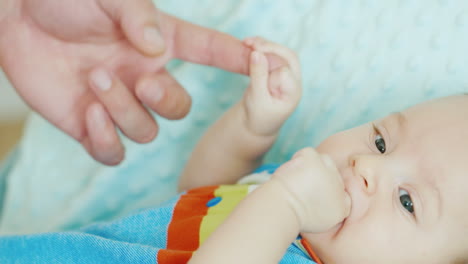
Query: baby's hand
[(272, 95), (315, 190)]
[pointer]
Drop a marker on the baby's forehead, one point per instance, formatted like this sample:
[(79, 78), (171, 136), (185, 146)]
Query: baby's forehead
[(451, 106), (437, 134), (439, 126), (442, 109)]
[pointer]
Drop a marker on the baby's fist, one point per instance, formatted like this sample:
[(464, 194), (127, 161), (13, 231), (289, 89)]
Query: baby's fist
[(315, 190), (273, 94)]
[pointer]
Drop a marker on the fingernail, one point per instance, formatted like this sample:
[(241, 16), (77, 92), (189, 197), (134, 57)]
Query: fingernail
[(152, 36), (101, 79)]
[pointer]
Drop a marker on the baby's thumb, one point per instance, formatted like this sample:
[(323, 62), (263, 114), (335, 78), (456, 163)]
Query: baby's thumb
[(258, 74)]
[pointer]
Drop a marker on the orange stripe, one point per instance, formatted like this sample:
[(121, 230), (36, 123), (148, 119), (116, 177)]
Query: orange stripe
[(309, 250), (173, 256), (184, 229)]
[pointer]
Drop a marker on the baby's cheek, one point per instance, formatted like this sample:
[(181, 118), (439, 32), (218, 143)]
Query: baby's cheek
[(343, 145), (334, 149)]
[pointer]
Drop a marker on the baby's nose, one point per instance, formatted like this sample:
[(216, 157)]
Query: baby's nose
[(363, 167)]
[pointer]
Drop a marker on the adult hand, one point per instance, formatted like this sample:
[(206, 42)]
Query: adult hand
[(90, 66)]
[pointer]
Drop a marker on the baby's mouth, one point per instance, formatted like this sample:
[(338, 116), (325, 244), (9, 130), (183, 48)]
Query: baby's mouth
[(335, 231), (339, 227)]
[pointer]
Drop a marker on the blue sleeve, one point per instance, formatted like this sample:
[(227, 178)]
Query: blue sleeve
[(72, 247), (133, 239)]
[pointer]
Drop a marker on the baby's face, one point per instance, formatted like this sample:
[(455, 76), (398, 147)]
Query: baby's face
[(407, 176)]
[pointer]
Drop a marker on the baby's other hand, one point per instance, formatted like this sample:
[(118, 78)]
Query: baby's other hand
[(315, 190), (272, 95)]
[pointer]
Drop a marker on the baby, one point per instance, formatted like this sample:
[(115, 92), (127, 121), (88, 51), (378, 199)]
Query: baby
[(391, 191)]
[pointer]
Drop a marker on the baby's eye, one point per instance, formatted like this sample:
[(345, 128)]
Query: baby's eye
[(405, 200), (379, 141)]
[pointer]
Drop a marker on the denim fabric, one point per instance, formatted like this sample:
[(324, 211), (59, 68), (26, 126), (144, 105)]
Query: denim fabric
[(133, 239)]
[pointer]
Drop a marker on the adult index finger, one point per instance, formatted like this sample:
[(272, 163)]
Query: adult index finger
[(206, 46)]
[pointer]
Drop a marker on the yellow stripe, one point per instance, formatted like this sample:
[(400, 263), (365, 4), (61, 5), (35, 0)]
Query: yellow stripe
[(231, 196)]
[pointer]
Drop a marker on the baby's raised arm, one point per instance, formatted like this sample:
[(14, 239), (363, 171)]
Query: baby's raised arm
[(236, 143)]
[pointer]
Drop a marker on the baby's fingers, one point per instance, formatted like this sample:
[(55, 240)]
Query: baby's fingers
[(283, 85), (265, 46), (338, 211), (258, 75), (343, 202)]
